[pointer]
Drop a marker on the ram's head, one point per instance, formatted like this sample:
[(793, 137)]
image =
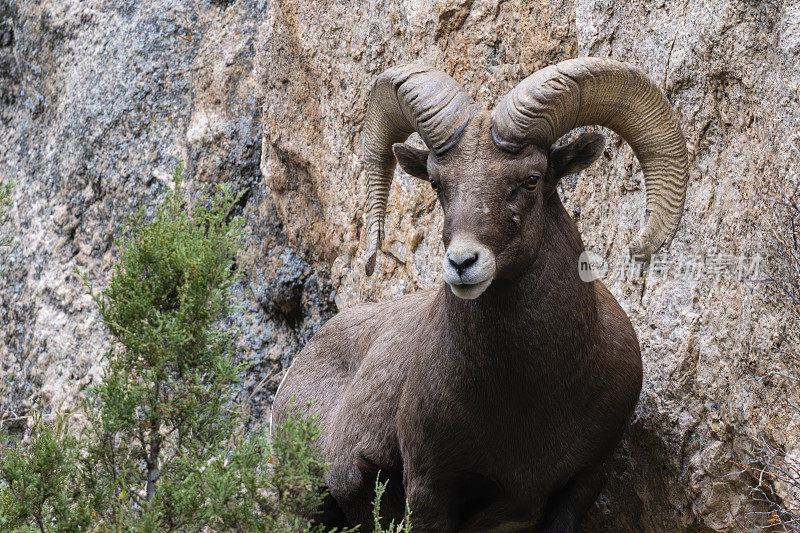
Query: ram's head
[(494, 172)]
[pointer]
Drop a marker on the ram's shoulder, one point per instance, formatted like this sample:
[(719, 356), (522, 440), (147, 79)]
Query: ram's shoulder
[(364, 338)]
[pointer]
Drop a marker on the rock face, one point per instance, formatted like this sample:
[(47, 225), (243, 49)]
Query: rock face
[(97, 99)]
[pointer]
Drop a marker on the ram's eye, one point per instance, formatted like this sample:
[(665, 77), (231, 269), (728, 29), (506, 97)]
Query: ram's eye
[(435, 185), (531, 183)]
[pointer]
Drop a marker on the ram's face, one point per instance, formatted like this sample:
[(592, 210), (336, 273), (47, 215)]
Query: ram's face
[(493, 202)]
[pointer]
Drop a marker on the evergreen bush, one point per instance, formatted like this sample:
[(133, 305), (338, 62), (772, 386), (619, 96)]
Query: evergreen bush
[(162, 447)]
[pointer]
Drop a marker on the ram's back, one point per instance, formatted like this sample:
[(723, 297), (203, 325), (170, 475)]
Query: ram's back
[(358, 358)]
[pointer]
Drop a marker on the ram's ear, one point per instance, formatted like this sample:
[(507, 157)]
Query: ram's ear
[(412, 160), (575, 156)]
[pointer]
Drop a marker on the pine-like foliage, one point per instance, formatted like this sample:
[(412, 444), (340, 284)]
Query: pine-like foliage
[(403, 527), (165, 407), (162, 448), (37, 482)]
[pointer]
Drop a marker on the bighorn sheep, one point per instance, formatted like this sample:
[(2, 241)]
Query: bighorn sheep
[(491, 402)]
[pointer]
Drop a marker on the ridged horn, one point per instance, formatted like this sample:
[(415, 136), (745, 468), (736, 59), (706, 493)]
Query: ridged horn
[(403, 100), (586, 91)]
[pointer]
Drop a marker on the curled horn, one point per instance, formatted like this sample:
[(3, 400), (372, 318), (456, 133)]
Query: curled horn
[(586, 91), (403, 100)]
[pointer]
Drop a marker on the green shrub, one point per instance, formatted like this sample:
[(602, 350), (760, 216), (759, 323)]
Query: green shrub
[(37, 481), (53, 483), (165, 408), (162, 447)]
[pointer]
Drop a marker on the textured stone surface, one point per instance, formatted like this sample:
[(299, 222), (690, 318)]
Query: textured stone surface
[(98, 101), (98, 98)]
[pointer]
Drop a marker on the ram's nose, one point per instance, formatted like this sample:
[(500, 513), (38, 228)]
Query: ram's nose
[(461, 261), (468, 267)]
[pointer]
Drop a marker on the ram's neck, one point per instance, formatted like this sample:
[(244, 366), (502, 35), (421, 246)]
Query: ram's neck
[(547, 312)]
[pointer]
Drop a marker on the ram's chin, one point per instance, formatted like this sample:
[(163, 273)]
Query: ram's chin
[(471, 291)]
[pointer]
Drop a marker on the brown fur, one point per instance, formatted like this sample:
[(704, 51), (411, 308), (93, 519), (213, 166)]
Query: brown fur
[(489, 414)]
